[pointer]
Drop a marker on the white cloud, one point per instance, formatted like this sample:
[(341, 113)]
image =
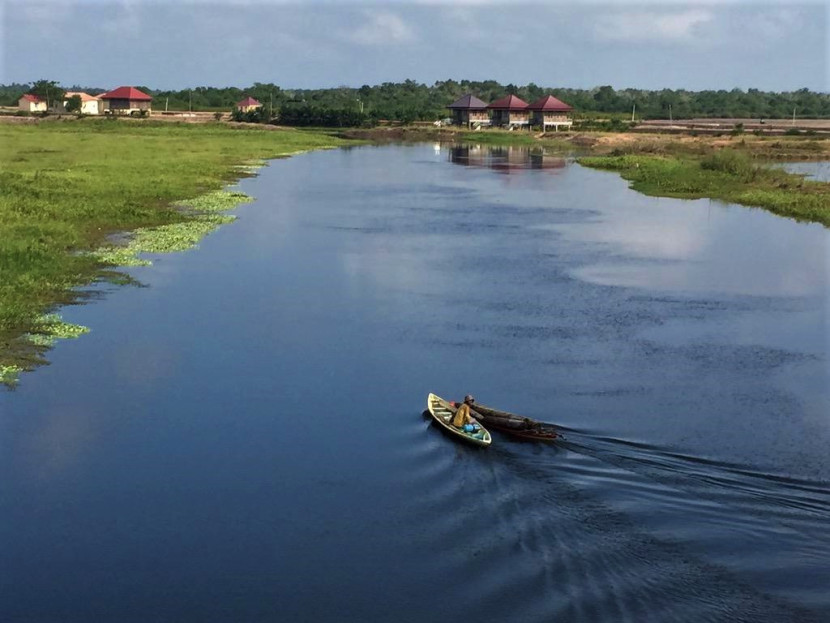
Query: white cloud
[(648, 26), (382, 28)]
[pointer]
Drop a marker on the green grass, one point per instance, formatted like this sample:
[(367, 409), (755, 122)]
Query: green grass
[(726, 175), (66, 186)]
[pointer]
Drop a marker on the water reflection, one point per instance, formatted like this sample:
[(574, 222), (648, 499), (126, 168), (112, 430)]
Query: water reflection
[(818, 171), (505, 159)]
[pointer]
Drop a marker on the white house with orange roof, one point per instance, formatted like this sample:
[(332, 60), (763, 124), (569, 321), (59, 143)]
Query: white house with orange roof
[(90, 105)]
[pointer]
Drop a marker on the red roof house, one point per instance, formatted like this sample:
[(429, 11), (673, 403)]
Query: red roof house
[(125, 100), (550, 112), (510, 111), (248, 104), (31, 103), (469, 110)]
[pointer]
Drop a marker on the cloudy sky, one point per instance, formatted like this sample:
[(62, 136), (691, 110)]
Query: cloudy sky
[(776, 46)]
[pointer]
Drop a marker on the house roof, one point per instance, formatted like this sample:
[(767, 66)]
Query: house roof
[(549, 104), (85, 97), (125, 93), (468, 102), (511, 102), (249, 101), (31, 98)]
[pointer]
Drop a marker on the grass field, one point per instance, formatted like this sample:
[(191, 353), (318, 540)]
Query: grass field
[(728, 175), (67, 186)]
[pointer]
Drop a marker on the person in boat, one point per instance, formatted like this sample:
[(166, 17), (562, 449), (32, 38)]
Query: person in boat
[(462, 414)]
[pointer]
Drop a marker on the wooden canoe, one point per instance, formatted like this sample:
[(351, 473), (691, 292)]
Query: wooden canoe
[(513, 424), (442, 412)]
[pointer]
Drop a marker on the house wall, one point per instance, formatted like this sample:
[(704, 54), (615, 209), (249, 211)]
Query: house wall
[(464, 116), (28, 106), (125, 107), (510, 117), (89, 107), (551, 118)]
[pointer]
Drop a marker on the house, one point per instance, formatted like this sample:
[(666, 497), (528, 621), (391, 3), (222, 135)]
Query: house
[(90, 105), (469, 111), (550, 112), (248, 104), (31, 103), (125, 101), (510, 112)]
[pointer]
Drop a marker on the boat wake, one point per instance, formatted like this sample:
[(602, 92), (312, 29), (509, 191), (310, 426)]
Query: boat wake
[(598, 528)]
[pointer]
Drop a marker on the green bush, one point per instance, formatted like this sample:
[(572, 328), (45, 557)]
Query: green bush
[(732, 162)]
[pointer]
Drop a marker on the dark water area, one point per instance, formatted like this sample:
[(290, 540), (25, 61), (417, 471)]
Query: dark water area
[(243, 439)]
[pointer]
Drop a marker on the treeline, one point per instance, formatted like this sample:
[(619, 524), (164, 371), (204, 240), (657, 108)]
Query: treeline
[(411, 101)]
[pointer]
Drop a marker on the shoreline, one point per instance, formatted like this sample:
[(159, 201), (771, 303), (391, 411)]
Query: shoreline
[(71, 187)]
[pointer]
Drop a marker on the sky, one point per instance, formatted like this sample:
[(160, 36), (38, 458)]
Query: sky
[(771, 46)]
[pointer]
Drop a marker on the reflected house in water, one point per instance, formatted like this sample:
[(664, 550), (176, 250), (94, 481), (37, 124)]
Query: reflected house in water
[(510, 112), (469, 111), (505, 159), (550, 112)]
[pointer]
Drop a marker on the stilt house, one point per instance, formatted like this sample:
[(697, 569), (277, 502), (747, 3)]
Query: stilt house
[(550, 112), (469, 111), (510, 112)]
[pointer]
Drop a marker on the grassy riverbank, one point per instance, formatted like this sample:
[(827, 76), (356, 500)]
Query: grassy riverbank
[(67, 186), (727, 175)]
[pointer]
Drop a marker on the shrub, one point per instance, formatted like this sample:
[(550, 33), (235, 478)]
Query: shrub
[(732, 162)]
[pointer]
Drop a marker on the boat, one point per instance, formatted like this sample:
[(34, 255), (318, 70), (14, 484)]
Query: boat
[(442, 412), (512, 424)]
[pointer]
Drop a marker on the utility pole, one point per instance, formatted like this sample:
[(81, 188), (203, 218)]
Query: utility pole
[(271, 106), (633, 108), (166, 102), (671, 120), (793, 116)]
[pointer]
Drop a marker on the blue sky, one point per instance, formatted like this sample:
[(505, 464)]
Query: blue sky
[(777, 46)]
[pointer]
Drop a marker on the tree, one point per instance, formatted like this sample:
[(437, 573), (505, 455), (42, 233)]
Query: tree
[(73, 104), (48, 90)]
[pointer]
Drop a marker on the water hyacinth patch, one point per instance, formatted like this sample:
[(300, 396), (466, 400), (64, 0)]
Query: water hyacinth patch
[(53, 326), (176, 236), (9, 375), (251, 167), (217, 201)]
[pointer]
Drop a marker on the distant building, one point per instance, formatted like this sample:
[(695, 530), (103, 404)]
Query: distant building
[(510, 112), (125, 101), (469, 111), (248, 104), (549, 112), (89, 105), (31, 103)]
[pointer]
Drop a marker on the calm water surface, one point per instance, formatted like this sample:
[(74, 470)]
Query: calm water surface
[(243, 439)]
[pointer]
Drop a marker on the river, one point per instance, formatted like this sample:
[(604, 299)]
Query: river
[(243, 438)]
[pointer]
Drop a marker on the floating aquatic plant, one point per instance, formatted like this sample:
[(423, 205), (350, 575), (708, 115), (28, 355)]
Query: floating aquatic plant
[(217, 201), (176, 236), (250, 167), (9, 375), (52, 326)]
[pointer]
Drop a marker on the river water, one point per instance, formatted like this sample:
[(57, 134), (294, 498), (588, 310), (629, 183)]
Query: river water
[(243, 439)]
